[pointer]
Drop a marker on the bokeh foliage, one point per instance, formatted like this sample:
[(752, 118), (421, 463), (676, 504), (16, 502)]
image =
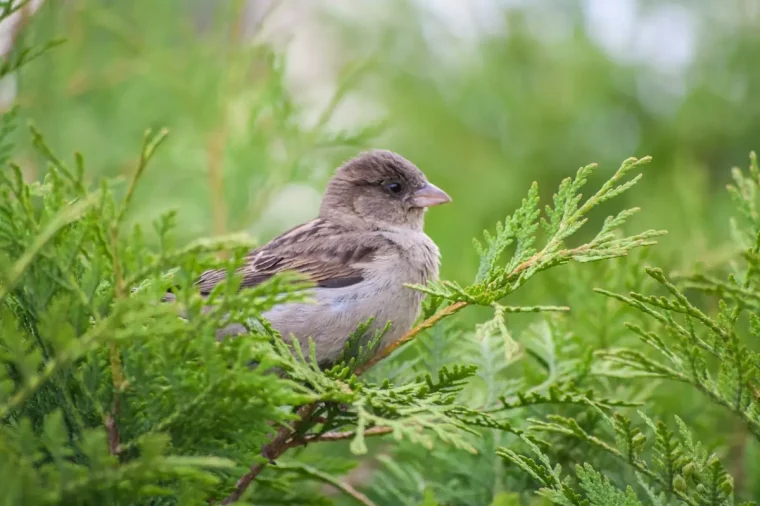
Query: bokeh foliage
[(483, 117)]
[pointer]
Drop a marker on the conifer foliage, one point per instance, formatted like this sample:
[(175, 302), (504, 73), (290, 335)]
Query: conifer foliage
[(107, 396), (101, 380), (708, 353)]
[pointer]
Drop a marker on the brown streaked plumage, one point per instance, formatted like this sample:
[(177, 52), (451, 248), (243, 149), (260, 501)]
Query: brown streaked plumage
[(365, 245)]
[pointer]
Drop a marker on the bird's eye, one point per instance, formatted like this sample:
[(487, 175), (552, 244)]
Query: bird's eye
[(394, 187)]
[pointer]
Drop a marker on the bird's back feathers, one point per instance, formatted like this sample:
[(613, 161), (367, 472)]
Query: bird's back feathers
[(329, 255)]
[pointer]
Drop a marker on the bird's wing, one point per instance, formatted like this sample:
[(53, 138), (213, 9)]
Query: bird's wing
[(329, 255)]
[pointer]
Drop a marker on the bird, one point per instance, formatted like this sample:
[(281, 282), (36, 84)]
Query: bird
[(365, 245)]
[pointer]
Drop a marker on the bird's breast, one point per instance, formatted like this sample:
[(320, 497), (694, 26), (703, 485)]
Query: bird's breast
[(382, 296), (418, 257)]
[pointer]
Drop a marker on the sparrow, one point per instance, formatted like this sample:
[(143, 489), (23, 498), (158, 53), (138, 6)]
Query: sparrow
[(365, 245)]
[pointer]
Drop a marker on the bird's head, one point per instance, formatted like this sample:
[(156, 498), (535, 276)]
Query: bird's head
[(381, 189)]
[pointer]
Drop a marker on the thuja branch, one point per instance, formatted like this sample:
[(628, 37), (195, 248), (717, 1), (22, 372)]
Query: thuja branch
[(326, 478), (10, 278), (271, 451), (286, 436), (451, 309), (426, 324), (336, 436), (495, 281), (284, 439), (150, 143)]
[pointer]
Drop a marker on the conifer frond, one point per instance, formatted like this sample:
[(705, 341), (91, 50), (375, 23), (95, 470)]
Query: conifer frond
[(495, 280), (699, 338), (561, 394), (110, 395), (672, 466)]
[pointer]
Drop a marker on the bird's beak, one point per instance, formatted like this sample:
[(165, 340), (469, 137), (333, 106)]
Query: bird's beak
[(429, 195)]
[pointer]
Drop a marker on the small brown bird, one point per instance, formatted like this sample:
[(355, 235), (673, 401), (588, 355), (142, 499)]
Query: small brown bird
[(365, 245)]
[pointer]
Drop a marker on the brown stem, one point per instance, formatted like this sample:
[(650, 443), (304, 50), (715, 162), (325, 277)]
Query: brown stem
[(271, 451), (350, 490), (114, 445), (343, 486), (385, 352), (336, 436)]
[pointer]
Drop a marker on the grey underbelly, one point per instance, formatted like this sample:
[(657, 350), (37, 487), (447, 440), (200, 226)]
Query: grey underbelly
[(335, 316)]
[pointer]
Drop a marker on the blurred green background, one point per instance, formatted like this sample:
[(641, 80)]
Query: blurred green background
[(263, 99)]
